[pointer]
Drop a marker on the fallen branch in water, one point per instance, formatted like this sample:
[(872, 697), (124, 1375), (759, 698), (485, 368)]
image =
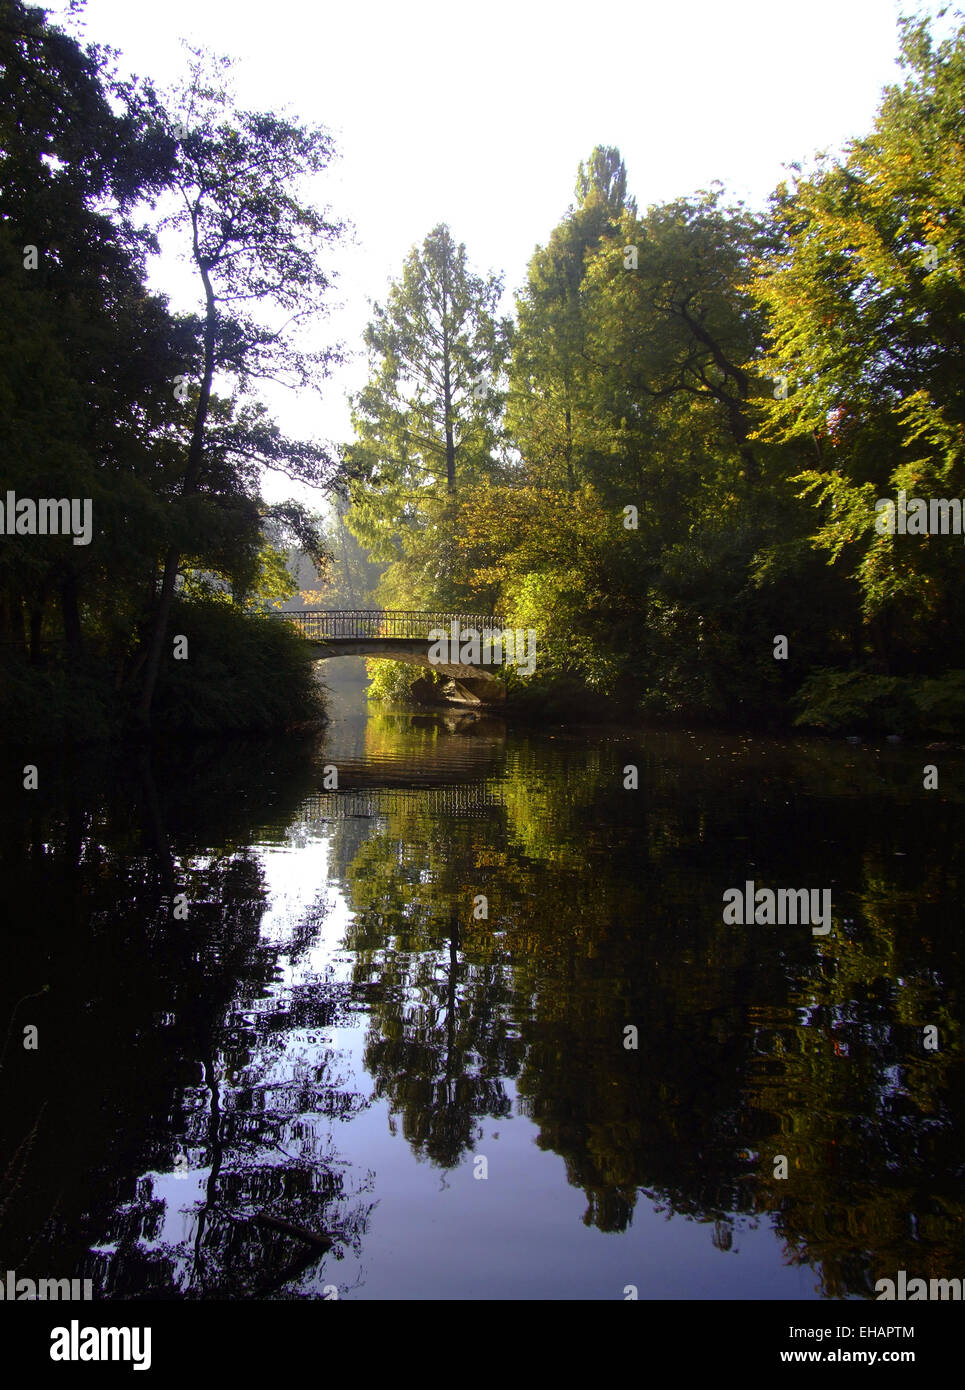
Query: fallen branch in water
[(275, 1223)]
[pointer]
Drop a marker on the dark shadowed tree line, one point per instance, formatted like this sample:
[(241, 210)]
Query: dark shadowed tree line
[(149, 417)]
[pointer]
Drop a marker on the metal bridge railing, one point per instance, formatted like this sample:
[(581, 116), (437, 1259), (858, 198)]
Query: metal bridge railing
[(321, 624), (460, 798)]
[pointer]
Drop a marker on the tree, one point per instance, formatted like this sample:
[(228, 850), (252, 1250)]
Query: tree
[(352, 575), (86, 351), (634, 384), (255, 243), (429, 412), (866, 304), (548, 370)]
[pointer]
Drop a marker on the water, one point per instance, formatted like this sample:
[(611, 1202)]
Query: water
[(337, 1075)]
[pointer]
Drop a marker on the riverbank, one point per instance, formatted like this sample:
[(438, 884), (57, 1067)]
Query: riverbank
[(226, 672), (843, 704)]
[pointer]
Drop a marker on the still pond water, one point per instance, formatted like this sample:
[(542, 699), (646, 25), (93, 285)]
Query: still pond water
[(335, 1073)]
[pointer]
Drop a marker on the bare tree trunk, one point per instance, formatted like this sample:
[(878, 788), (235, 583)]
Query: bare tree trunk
[(447, 384), (450, 450), (36, 622), (447, 403), (192, 475), (70, 613), (162, 614), (11, 620), (570, 480)]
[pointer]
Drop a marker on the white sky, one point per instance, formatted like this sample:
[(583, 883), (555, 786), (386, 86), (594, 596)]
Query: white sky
[(478, 114)]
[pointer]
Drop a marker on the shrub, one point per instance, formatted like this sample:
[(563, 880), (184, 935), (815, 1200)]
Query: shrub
[(400, 682), (940, 703), (244, 672), (846, 701), (54, 703)]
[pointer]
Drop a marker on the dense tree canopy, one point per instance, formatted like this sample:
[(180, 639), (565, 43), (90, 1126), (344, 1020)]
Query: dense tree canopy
[(667, 462), (704, 403), (866, 313), (427, 423), (111, 400)]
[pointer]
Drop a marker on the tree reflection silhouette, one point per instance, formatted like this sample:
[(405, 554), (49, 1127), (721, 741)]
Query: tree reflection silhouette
[(198, 1046), (146, 1007), (606, 911)]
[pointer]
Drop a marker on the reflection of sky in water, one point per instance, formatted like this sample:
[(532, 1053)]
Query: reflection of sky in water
[(438, 1234), (749, 1045)]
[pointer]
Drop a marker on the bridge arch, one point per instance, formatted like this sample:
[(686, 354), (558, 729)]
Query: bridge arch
[(400, 635)]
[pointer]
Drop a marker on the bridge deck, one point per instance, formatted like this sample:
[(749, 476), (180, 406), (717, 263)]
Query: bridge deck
[(347, 624)]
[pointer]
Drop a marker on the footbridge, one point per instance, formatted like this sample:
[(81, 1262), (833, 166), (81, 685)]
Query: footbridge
[(403, 635)]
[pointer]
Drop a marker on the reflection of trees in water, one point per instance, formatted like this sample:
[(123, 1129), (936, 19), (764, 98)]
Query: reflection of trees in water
[(441, 1043), (265, 1197), (876, 1131), (605, 910), (148, 1008)]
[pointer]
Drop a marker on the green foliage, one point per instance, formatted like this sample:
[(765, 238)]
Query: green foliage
[(87, 356), (244, 673), (856, 702), (628, 388), (89, 360), (493, 465), (256, 245), (272, 584), (865, 300), (427, 422), (55, 704), (399, 682), (940, 703)]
